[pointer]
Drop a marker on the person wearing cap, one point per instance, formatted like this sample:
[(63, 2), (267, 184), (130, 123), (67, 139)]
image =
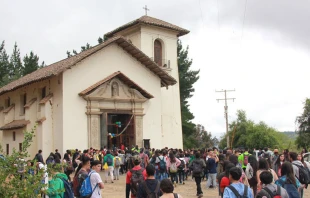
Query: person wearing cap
[(236, 187), (136, 161)]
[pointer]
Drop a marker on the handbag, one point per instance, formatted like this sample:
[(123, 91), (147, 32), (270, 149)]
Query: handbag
[(105, 166)]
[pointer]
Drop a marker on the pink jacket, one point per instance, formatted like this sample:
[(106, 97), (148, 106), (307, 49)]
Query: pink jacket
[(168, 163)]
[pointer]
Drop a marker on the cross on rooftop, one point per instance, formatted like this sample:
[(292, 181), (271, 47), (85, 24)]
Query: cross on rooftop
[(146, 9)]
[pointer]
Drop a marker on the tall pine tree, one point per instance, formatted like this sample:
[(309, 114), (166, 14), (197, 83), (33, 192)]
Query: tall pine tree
[(187, 78), (4, 65), (31, 63), (16, 65)]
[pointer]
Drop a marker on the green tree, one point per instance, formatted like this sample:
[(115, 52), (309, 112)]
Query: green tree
[(11, 184), (303, 126), (16, 65), (4, 65), (83, 48), (246, 133), (31, 63), (187, 78)]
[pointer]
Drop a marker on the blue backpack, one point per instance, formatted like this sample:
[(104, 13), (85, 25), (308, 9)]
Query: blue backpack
[(68, 189), (290, 188), (162, 165), (86, 189)]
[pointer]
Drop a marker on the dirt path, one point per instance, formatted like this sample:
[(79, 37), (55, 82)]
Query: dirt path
[(117, 189)]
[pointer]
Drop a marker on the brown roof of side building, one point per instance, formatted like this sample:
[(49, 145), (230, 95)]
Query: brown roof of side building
[(149, 21), (61, 66), (15, 124)]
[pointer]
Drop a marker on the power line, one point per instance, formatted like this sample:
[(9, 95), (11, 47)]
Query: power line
[(226, 110), (203, 23), (244, 14)]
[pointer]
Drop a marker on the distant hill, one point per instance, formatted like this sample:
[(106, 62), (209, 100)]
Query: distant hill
[(290, 134)]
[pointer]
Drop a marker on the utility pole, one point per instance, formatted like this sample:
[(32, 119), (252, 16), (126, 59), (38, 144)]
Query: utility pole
[(226, 111)]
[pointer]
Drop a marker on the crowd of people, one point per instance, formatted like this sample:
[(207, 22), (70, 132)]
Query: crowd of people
[(155, 173)]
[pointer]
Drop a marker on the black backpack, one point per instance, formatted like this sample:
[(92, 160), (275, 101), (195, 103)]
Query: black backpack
[(151, 194), (182, 165), (245, 192), (197, 167), (136, 179), (304, 174), (270, 193)]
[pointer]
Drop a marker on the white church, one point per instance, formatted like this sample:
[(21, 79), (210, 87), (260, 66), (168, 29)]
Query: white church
[(122, 91)]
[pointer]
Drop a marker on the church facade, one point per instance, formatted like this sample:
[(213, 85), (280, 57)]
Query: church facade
[(122, 91)]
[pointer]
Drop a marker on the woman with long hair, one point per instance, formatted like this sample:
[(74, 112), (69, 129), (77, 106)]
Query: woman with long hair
[(251, 171), (288, 177), (172, 167), (278, 164), (264, 166), (301, 159)]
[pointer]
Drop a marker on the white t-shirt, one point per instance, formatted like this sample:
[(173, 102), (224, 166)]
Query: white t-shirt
[(94, 180)]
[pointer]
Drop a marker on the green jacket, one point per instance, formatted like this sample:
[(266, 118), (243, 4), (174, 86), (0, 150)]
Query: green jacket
[(56, 186), (106, 158)]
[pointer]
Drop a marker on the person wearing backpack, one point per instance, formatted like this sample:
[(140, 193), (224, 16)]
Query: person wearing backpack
[(135, 177), (172, 167), (181, 169), (80, 175), (161, 167), (244, 158), (95, 179), (288, 181), (270, 190), (237, 189), (150, 188), (109, 159), (300, 172), (144, 158), (117, 166), (197, 167)]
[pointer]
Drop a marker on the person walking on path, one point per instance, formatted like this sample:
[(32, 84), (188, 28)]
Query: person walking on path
[(197, 167), (151, 185), (109, 159), (244, 158), (133, 177)]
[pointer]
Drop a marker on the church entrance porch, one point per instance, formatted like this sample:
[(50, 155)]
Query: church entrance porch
[(120, 130)]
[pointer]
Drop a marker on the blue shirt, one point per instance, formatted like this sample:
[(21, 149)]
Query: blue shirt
[(240, 188), (212, 165)]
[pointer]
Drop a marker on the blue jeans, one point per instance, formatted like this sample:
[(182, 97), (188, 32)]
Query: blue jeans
[(211, 178), (181, 176), (174, 177), (160, 175)]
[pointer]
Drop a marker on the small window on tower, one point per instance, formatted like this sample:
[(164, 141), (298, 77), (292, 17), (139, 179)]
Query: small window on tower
[(14, 136), (7, 149), (158, 52)]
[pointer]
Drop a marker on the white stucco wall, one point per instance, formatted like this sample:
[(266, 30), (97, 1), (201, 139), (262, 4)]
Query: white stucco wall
[(171, 111), (33, 114), (100, 65)]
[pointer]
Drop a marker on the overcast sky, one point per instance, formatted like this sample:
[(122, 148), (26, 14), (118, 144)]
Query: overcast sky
[(258, 47)]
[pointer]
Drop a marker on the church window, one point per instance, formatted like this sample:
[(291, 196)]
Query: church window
[(43, 92), (23, 101), (14, 136), (158, 56), (8, 102), (20, 146), (7, 149)]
